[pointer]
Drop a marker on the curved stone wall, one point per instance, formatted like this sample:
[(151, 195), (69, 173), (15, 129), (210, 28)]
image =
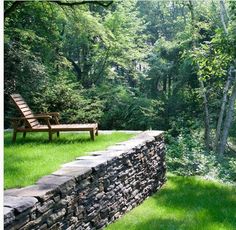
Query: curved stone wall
[(91, 191)]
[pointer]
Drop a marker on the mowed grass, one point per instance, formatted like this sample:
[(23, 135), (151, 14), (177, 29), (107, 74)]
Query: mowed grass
[(184, 203), (33, 157)]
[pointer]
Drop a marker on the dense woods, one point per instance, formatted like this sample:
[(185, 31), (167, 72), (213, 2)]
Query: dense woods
[(137, 65)]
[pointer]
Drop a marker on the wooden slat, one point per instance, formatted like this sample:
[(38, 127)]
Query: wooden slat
[(33, 122), (23, 106), (26, 109), (34, 125), (18, 100), (21, 103), (17, 97), (27, 113)]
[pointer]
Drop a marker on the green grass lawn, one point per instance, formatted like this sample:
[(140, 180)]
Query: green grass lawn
[(183, 203), (33, 157)]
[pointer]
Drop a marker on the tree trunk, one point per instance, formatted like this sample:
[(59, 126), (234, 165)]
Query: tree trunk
[(169, 86), (76, 68), (207, 130), (221, 144), (222, 110), (228, 120), (222, 8)]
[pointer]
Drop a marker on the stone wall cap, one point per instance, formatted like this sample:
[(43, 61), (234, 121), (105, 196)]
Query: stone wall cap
[(54, 180), (108, 153), (85, 163), (149, 133), (7, 210), (9, 216), (73, 171), (19, 203), (38, 191)]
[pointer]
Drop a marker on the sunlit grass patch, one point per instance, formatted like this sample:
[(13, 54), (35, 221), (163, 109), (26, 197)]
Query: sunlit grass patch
[(184, 203), (33, 157)]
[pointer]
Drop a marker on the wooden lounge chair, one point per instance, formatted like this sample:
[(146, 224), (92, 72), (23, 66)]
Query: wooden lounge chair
[(28, 122)]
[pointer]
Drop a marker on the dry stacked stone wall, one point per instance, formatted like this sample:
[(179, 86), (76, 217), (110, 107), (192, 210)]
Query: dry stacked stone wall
[(91, 191)]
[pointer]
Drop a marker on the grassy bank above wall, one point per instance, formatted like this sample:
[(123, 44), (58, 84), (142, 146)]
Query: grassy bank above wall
[(33, 157)]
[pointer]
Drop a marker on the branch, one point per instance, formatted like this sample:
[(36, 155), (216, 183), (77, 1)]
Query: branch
[(100, 3), (16, 4), (230, 148)]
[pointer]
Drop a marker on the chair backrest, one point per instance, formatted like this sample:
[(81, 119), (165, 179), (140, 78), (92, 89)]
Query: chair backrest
[(24, 109)]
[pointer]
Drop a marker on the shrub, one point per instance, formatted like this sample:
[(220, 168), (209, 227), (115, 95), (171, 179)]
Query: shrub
[(186, 156), (66, 97)]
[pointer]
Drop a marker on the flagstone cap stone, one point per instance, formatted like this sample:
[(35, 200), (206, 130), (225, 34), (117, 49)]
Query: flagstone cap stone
[(20, 204)]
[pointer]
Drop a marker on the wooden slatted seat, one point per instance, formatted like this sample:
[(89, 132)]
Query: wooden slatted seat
[(28, 122)]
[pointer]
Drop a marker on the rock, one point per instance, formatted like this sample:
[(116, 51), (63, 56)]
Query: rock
[(20, 204), (8, 215)]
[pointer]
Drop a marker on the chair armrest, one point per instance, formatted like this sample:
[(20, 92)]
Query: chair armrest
[(52, 114), (32, 117), (55, 116), (16, 120)]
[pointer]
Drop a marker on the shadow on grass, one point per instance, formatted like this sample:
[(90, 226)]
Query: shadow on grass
[(185, 203), (38, 139)]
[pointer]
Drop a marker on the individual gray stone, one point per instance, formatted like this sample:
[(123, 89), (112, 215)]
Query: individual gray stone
[(21, 220), (53, 180), (85, 163), (54, 218), (45, 206), (43, 226), (20, 204), (77, 172), (41, 192), (62, 183), (9, 216)]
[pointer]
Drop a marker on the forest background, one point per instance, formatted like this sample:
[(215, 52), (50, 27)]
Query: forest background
[(166, 65)]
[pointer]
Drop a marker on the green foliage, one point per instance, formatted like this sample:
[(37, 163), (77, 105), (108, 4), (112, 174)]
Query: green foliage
[(128, 66), (186, 156), (213, 57), (62, 95), (122, 108)]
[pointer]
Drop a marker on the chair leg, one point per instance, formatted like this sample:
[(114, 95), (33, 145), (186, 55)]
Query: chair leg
[(58, 134), (92, 135), (14, 136), (96, 133), (24, 134), (50, 136)]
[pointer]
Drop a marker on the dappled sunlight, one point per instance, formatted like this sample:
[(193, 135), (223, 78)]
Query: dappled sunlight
[(42, 139)]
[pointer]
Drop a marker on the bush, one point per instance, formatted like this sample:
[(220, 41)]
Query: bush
[(186, 156), (66, 97), (125, 109)]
